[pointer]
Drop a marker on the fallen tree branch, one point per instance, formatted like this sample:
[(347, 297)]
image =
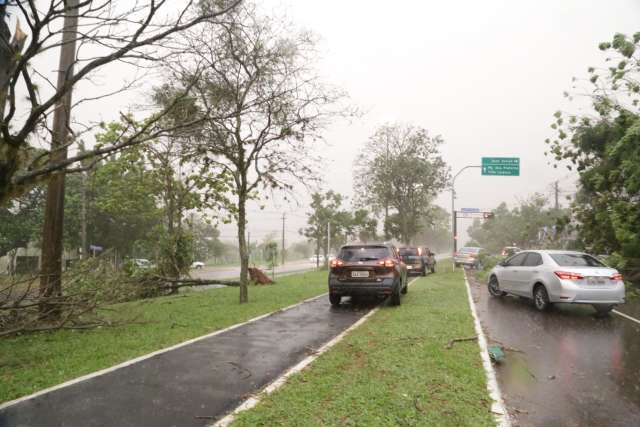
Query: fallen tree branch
[(455, 340)]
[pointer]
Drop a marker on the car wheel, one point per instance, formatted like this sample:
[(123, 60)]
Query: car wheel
[(334, 299), (603, 309), (541, 298), (395, 296), (494, 287), (424, 271), (405, 288), (433, 269)]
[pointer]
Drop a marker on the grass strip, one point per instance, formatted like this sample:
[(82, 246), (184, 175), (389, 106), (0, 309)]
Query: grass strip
[(393, 370), (33, 362)]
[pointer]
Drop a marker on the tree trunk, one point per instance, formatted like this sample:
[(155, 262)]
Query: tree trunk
[(242, 245), (52, 251), (317, 252)]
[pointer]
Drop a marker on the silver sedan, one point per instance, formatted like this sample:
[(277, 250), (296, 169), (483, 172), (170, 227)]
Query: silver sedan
[(550, 277)]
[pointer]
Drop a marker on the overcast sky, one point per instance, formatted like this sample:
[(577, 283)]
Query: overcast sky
[(487, 76)]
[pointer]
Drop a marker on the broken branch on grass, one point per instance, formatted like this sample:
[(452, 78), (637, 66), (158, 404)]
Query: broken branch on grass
[(455, 340)]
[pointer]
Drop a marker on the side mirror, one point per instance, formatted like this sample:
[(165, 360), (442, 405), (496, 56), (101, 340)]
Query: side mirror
[(502, 264)]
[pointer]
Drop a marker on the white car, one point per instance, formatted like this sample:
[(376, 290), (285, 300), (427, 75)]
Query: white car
[(317, 258), (550, 277), (197, 264)]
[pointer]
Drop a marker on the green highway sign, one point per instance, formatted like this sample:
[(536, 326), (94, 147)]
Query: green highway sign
[(501, 166)]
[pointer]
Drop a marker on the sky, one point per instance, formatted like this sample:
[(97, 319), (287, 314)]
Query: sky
[(486, 76)]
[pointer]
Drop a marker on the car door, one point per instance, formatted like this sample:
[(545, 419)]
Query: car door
[(527, 273), (510, 271)]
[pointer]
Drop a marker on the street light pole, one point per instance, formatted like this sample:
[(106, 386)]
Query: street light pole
[(453, 209)]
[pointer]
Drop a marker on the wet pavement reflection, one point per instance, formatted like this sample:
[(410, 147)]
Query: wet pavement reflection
[(198, 383), (565, 367)]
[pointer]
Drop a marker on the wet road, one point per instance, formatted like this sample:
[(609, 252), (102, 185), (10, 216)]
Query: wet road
[(220, 273), (565, 367), (193, 385)]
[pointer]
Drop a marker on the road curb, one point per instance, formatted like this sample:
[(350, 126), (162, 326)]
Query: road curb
[(252, 401), (497, 407)]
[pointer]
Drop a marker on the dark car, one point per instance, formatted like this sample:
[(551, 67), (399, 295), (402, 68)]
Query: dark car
[(368, 269), (413, 259)]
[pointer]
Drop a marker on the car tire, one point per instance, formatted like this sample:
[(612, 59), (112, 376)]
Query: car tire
[(334, 299), (405, 288), (424, 271), (541, 298), (395, 296), (603, 309), (433, 269), (494, 288)]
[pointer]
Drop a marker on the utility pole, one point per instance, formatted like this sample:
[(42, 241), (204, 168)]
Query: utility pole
[(454, 223), (284, 217), (556, 190), (52, 253)]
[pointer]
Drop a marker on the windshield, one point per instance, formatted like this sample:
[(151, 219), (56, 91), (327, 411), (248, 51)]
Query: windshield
[(470, 250), (364, 253), (576, 260), (408, 251)]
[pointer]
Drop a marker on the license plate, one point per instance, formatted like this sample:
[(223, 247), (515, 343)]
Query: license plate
[(595, 280), (409, 267), (359, 274)]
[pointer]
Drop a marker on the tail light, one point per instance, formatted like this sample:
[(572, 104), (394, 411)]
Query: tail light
[(337, 263), (504, 253), (616, 277), (566, 275), (388, 262)]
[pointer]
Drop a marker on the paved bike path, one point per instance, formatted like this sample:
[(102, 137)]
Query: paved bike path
[(193, 385)]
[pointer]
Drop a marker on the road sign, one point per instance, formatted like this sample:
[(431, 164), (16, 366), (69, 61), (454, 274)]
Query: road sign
[(469, 210), (501, 166)]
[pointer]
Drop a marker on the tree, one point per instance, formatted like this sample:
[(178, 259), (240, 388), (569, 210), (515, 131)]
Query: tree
[(261, 105), (363, 227), (435, 230), (400, 168), (20, 224), (604, 148), (531, 225), (327, 218), (137, 33)]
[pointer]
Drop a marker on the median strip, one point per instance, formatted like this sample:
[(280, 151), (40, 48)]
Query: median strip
[(395, 369)]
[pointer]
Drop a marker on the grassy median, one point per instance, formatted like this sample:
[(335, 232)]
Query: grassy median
[(393, 370), (33, 362)]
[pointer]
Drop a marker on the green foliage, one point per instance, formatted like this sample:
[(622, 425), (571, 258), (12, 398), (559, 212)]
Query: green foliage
[(401, 169), (531, 225), (175, 253), (345, 225), (605, 152), (21, 221)]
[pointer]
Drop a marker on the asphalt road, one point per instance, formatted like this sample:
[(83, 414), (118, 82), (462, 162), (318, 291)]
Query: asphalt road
[(193, 385), (214, 273), (565, 367)]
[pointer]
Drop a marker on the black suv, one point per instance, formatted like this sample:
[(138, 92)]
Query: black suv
[(368, 269)]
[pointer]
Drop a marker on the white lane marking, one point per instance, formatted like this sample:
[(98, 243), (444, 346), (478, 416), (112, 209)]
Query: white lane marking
[(150, 355), (626, 316), (280, 381), (497, 407)]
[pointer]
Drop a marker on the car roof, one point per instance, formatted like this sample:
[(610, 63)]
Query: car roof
[(555, 251)]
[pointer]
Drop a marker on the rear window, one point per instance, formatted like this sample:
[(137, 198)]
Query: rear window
[(364, 253), (576, 260), (470, 250), (408, 251)]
